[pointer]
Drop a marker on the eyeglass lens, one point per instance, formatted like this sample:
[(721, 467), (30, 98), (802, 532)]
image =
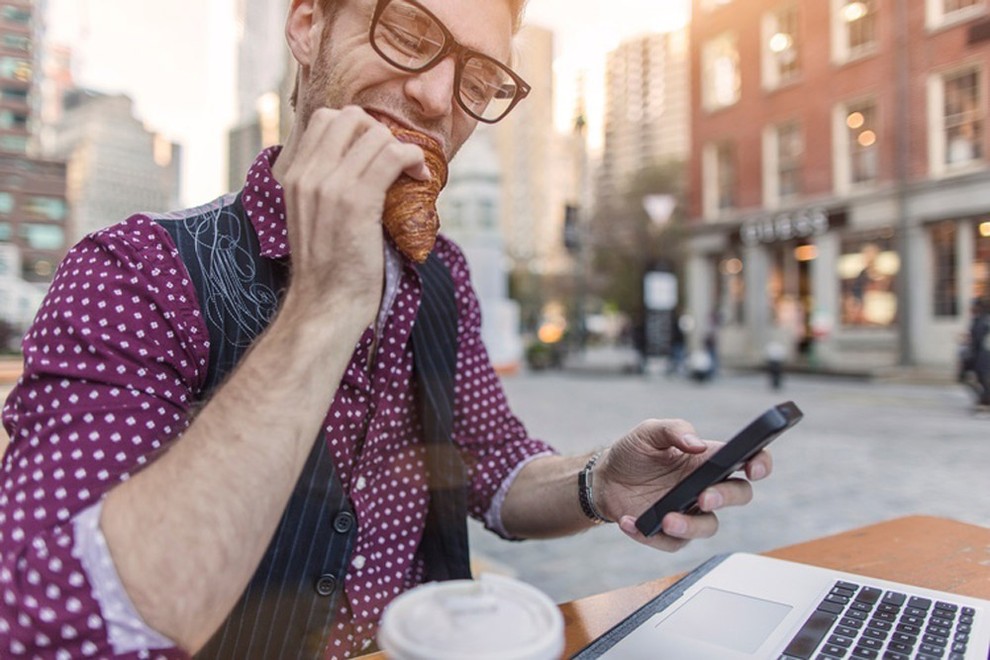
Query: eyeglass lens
[(411, 39)]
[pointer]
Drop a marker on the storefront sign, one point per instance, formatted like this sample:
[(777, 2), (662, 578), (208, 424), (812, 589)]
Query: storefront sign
[(785, 226)]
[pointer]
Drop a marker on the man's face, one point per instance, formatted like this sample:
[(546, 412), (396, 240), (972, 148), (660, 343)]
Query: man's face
[(347, 70)]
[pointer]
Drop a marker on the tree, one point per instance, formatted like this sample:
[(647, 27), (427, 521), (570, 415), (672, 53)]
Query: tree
[(626, 242)]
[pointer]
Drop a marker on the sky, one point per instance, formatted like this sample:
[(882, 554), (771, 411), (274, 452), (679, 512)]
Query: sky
[(175, 58)]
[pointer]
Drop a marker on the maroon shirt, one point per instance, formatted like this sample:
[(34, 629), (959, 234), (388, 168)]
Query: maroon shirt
[(113, 364)]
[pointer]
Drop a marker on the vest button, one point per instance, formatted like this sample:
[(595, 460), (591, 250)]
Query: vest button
[(343, 522), (326, 585)]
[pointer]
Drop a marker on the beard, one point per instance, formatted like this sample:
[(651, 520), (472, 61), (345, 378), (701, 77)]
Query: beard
[(327, 89)]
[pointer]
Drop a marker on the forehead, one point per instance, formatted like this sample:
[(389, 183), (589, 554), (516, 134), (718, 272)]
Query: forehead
[(483, 25)]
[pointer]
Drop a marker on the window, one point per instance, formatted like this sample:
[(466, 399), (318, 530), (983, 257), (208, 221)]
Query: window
[(719, 178), (52, 208), (721, 83), (958, 112), (13, 14), (16, 42), (15, 68), (42, 237), (945, 257), (981, 258), (13, 120), (940, 13), (6, 203), (725, 160), (854, 29), (16, 95), (15, 143), (787, 155), (781, 47), (6, 231), (730, 288), (868, 268), (857, 151)]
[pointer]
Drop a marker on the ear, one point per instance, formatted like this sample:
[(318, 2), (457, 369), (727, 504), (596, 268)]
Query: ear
[(302, 30)]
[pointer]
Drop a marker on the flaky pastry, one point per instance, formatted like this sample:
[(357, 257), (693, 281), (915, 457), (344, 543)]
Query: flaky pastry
[(410, 216)]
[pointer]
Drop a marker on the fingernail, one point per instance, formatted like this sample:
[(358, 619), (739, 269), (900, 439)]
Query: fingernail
[(676, 526), (758, 471), (713, 500), (692, 440)]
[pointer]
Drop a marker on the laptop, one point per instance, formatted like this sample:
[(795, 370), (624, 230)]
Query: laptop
[(749, 606)]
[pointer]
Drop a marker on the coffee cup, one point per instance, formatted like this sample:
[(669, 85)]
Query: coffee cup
[(491, 618)]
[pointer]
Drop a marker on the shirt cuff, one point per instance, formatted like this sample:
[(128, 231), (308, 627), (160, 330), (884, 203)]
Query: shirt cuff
[(493, 517), (126, 630)]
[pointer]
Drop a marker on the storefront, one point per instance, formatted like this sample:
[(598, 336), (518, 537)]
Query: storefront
[(826, 282)]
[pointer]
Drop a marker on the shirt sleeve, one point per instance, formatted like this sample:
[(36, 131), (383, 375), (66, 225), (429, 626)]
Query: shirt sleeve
[(494, 443), (111, 364)]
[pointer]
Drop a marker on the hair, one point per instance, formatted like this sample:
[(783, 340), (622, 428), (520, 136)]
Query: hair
[(330, 7)]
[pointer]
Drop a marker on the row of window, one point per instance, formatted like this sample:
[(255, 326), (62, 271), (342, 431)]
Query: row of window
[(39, 206), (15, 14), (957, 129), (867, 269), (853, 32), (35, 235)]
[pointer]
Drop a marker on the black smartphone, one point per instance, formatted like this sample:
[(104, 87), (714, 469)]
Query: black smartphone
[(747, 443)]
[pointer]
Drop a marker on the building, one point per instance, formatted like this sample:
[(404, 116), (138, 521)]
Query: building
[(469, 208), (532, 208), (840, 198), (647, 112), (33, 210), (115, 166), (265, 75)]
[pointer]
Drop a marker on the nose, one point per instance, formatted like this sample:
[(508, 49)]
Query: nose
[(433, 90)]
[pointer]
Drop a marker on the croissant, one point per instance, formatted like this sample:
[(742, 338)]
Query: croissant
[(410, 215)]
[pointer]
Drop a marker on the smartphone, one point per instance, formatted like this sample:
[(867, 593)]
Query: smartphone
[(747, 443)]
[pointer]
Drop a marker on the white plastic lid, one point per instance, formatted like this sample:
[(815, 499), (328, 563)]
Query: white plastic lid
[(492, 618)]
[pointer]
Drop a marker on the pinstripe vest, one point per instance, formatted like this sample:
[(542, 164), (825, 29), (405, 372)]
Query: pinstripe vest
[(288, 607)]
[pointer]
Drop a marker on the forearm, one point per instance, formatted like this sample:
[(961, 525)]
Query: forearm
[(187, 532), (543, 500)]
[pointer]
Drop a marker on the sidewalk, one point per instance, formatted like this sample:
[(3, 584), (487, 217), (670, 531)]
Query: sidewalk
[(866, 451)]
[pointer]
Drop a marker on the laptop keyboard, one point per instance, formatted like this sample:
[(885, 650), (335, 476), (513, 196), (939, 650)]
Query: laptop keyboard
[(855, 621)]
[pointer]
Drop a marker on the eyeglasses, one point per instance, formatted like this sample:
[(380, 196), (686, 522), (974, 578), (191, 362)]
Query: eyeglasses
[(410, 38)]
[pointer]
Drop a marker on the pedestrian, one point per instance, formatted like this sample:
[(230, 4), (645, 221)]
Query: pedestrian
[(979, 349), (775, 356), (243, 429)]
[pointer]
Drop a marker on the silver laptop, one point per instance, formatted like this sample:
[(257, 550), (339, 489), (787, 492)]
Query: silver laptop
[(749, 606)]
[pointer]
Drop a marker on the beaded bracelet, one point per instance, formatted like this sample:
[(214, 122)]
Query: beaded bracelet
[(586, 495)]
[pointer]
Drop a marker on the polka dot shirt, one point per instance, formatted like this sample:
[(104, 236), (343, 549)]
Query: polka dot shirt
[(113, 365)]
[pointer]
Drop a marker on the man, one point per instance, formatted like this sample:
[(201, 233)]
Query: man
[(133, 516), (979, 351)]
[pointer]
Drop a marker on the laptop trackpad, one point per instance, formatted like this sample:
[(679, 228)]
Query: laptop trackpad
[(727, 619)]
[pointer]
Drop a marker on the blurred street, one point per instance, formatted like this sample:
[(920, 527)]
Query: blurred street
[(865, 452)]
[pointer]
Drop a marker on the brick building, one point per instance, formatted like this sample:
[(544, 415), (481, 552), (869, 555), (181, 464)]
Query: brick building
[(33, 210), (840, 190)]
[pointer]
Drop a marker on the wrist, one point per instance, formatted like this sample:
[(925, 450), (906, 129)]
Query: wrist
[(588, 494)]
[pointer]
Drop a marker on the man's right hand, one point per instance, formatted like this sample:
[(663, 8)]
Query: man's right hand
[(335, 175)]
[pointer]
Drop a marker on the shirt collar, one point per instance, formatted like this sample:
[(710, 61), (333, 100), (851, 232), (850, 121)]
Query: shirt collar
[(264, 204)]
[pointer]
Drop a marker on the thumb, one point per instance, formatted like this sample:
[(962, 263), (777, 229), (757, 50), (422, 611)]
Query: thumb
[(667, 433)]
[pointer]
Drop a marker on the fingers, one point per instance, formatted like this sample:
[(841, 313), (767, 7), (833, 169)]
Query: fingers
[(760, 466), (666, 433), (678, 530), (731, 492)]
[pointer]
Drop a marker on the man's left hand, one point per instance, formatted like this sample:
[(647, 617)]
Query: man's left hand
[(651, 459)]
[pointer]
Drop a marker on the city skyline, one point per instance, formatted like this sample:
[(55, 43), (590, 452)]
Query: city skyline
[(181, 55)]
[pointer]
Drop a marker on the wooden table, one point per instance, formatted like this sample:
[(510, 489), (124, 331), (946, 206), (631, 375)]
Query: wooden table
[(930, 552)]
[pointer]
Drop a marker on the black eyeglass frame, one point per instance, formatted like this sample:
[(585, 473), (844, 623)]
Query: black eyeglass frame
[(461, 53)]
